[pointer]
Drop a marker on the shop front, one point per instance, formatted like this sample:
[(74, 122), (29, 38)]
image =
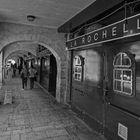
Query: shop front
[(47, 69), (105, 78)]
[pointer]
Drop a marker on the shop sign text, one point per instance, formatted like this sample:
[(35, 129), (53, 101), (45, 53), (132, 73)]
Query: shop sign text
[(111, 32)]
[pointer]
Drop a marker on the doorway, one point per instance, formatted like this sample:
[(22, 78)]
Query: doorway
[(87, 86), (52, 75)]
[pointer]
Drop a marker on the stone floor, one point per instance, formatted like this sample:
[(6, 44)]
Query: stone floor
[(34, 115)]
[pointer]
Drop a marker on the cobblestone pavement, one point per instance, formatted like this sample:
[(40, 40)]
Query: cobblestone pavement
[(34, 115)]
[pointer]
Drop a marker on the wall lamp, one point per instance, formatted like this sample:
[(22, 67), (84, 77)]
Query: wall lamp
[(31, 18)]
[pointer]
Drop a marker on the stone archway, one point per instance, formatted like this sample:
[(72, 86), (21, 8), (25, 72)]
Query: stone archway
[(53, 43), (18, 47)]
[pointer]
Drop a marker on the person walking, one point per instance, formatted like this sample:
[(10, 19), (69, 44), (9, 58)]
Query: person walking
[(10, 72), (14, 70), (24, 76), (32, 74)]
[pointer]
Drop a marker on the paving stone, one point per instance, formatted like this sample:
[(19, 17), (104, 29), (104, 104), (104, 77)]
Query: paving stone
[(5, 138), (23, 136), (40, 134), (5, 133), (35, 116), (15, 137), (62, 138), (45, 139), (56, 132)]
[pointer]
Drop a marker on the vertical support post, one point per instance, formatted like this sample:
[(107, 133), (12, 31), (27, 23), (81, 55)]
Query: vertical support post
[(1, 68), (69, 78), (67, 94)]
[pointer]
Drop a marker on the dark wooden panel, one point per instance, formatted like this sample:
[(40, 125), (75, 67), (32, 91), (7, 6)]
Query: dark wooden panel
[(45, 81), (52, 75), (87, 94), (130, 103), (115, 116), (123, 109), (45, 71)]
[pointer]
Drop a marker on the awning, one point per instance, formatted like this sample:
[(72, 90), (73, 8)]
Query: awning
[(92, 11)]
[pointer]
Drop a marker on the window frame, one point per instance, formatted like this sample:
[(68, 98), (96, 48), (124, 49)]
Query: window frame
[(122, 81), (77, 65), (123, 68)]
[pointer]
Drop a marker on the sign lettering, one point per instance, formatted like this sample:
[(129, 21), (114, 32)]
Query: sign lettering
[(111, 32)]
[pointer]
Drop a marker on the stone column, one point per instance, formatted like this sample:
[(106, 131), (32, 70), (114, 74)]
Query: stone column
[(1, 68), (68, 80)]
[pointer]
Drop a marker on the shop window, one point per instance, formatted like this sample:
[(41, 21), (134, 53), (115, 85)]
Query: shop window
[(123, 74), (78, 68)]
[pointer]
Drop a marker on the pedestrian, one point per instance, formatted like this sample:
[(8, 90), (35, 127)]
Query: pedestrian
[(10, 73), (32, 74), (14, 69), (19, 69), (24, 76)]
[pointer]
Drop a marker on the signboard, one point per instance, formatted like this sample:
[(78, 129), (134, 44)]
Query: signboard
[(118, 30), (8, 97)]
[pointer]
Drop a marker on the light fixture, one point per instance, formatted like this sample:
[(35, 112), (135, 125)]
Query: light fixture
[(31, 18), (39, 62), (36, 61)]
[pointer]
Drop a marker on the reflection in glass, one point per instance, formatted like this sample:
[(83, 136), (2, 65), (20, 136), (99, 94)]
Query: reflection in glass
[(127, 87), (127, 75), (76, 76), (125, 60), (122, 59), (79, 70), (117, 85), (78, 73), (122, 81), (117, 74), (117, 60), (76, 69)]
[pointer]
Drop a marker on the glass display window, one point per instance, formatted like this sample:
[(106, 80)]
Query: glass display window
[(122, 60), (78, 68), (123, 74)]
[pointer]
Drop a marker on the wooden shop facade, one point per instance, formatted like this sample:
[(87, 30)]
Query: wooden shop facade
[(105, 70)]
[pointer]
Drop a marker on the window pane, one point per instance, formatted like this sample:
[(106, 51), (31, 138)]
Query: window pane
[(79, 69), (79, 77), (127, 75), (117, 74), (77, 60), (77, 73), (127, 87), (76, 70), (125, 60), (117, 85), (117, 60), (75, 76)]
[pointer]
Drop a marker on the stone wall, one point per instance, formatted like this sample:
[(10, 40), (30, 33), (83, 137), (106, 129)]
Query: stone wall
[(49, 38)]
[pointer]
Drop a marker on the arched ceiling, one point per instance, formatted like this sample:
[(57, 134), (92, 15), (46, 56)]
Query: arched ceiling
[(20, 47), (48, 13), (16, 54)]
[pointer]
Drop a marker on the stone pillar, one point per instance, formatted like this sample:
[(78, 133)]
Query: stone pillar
[(68, 80), (1, 69)]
